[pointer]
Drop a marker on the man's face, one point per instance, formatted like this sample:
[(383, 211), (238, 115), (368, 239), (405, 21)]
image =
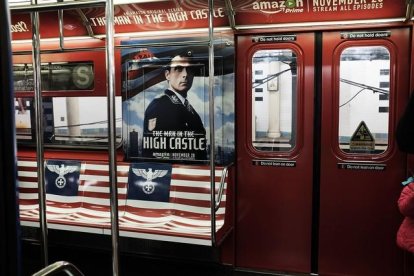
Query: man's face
[(180, 76)]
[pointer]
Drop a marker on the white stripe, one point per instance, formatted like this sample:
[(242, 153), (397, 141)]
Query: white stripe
[(95, 200), (86, 219), (172, 206), (27, 184), (27, 174), (195, 209), (95, 212), (195, 196), (63, 199), (190, 171), (94, 178), (191, 230), (99, 189), (148, 204), (28, 195), (198, 222), (101, 178), (28, 207), (30, 164), (105, 168), (140, 225), (192, 183), (61, 210), (93, 188), (160, 219)]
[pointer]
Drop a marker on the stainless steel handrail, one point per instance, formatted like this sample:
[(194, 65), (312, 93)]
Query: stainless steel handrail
[(34, 7), (129, 46), (211, 120), (60, 266), (230, 14), (409, 11), (110, 70), (224, 174), (39, 132), (86, 23), (61, 32)]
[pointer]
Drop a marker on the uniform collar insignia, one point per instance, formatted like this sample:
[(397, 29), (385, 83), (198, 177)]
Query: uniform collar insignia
[(173, 97)]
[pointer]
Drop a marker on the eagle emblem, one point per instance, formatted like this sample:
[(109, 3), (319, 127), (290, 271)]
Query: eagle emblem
[(61, 171), (149, 176)]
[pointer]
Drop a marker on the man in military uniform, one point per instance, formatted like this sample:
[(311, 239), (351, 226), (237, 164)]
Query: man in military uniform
[(172, 128)]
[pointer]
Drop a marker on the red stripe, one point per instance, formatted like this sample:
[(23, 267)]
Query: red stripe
[(28, 190), (28, 179), (98, 207), (27, 169), (28, 201)]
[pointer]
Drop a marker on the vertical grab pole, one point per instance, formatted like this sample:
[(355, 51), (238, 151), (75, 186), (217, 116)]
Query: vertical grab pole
[(61, 35), (211, 119), (39, 132), (110, 65), (9, 213)]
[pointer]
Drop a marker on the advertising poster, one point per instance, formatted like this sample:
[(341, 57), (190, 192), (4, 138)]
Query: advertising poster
[(166, 100)]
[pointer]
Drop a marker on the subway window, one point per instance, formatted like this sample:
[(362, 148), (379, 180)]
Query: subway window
[(67, 120), (364, 99), (273, 116), (56, 76)]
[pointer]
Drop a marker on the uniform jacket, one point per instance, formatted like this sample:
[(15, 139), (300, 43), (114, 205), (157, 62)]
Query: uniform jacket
[(405, 235), (168, 113)]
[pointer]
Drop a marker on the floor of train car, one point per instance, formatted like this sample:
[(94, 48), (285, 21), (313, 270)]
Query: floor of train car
[(92, 255), (97, 262)]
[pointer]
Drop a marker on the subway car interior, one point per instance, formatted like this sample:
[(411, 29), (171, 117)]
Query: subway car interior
[(191, 137)]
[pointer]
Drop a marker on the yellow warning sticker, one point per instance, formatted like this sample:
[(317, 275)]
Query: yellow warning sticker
[(362, 139)]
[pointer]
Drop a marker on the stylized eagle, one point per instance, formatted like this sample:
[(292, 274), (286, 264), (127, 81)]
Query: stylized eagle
[(149, 174), (62, 170)]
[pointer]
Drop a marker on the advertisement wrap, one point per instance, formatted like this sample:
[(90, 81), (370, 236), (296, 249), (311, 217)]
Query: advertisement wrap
[(191, 14)]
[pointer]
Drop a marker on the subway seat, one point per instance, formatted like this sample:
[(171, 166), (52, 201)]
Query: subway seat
[(183, 216)]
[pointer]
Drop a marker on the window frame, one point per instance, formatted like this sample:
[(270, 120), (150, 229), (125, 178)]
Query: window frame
[(297, 104), (361, 156)]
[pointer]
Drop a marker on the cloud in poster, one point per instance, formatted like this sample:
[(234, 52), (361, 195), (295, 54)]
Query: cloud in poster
[(225, 133)]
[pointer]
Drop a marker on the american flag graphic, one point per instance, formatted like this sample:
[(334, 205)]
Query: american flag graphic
[(185, 218)]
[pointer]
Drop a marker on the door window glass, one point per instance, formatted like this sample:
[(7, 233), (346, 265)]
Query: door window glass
[(364, 99), (274, 87)]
